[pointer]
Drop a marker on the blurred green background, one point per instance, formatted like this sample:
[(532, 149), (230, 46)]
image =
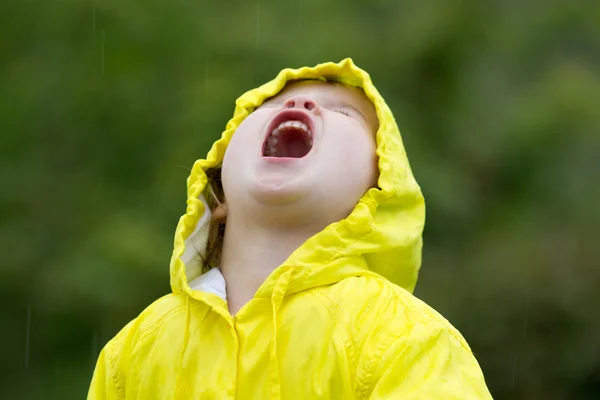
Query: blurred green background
[(107, 103)]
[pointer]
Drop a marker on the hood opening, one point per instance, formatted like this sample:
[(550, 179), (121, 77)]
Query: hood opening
[(383, 234)]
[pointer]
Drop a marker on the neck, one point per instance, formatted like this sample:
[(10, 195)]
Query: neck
[(252, 251)]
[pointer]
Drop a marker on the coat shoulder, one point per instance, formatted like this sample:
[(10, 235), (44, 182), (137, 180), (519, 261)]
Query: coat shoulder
[(152, 318), (377, 306)]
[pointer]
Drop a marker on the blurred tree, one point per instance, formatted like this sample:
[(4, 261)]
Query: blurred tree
[(106, 104)]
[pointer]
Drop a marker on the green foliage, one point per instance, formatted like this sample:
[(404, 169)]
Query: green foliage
[(107, 103)]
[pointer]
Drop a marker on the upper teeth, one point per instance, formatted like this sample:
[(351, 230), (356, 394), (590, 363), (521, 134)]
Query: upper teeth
[(291, 124), (274, 137)]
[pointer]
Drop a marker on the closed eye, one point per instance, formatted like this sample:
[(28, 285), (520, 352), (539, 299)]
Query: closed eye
[(270, 104), (342, 111)]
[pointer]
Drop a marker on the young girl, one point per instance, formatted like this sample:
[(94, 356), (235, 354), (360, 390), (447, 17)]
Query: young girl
[(294, 264)]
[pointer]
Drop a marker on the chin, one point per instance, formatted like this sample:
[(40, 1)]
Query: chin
[(277, 191)]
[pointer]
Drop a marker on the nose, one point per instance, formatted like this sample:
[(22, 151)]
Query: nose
[(300, 102)]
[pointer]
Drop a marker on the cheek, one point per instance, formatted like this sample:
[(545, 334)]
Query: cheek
[(244, 134), (364, 163), (247, 139), (358, 148), (355, 159), (243, 147)]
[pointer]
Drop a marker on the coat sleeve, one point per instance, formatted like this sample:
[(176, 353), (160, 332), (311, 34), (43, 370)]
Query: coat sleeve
[(108, 381), (433, 361)]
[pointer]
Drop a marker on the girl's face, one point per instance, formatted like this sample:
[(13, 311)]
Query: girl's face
[(311, 149)]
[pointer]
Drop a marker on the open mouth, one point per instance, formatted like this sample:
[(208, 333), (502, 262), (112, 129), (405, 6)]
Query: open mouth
[(290, 136)]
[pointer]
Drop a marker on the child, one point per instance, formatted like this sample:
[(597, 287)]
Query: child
[(294, 263)]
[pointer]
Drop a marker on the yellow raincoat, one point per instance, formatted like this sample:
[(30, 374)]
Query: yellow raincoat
[(337, 320)]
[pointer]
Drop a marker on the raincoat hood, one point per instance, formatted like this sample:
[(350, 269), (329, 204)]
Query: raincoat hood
[(381, 235)]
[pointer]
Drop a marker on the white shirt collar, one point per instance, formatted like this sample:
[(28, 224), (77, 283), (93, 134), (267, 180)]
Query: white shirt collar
[(211, 282)]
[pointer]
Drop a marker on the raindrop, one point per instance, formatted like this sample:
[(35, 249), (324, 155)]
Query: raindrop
[(206, 78), (27, 336), (57, 369), (94, 348), (257, 23), (514, 371), (103, 52), (526, 316)]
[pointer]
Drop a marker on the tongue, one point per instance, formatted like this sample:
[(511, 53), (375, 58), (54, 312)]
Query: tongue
[(291, 143), (294, 146)]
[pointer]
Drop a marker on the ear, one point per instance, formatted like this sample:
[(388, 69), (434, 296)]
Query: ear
[(220, 212)]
